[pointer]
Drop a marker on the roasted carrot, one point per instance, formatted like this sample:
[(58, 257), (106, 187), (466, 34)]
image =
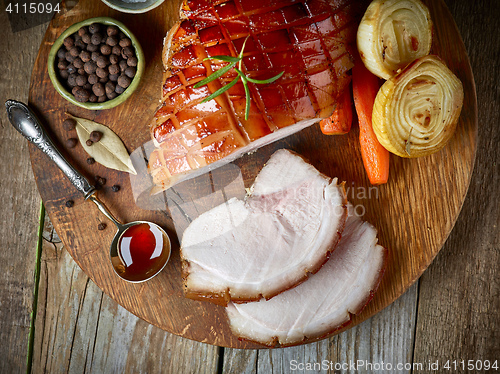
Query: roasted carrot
[(341, 119), (365, 86)]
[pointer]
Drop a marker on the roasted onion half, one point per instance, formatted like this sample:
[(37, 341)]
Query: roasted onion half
[(393, 33), (416, 111)]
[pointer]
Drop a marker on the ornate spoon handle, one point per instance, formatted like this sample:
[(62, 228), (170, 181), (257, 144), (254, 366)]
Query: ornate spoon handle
[(25, 121)]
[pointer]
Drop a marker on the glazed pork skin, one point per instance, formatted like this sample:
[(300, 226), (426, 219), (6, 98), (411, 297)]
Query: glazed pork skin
[(309, 40), (325, 302), (284, 231)]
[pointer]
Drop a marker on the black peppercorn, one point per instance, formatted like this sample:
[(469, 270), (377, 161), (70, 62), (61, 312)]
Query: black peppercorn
[(113, 59), (81, 80), (124, 81), (111, 95), (72, 80), (64, 74), (86, 38), (130, 72), (101, 72), (100, 180), (90, 67), (69, 124), (92, 48), (101, 226), (119, 89), (71, 142), (78, 63), (114, 69), (80, 44), (90, 161), (132, 61), (82, 31), (112, 41), (115, 188), (89, 142), (70, 203), (112, 30), (102, 61), (85, 56), (81, 95), (62, 65), (61, 53), (68, 42), (95, 136), (95, 27), (69, 57), (105, 49), (96, 39), (98, 89), (74, 51), (125, 42)]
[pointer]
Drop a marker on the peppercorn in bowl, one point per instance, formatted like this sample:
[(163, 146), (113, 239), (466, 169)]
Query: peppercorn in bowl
[(96, 64)]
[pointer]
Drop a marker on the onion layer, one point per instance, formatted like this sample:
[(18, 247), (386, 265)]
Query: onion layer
[(416, 111), (392, 34)]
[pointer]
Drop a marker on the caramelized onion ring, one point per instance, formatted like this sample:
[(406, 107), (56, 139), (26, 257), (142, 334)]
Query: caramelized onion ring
[(416, 111), (392, 34)]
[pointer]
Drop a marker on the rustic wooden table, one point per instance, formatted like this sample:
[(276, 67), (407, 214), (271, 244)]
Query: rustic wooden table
[(54, 319)]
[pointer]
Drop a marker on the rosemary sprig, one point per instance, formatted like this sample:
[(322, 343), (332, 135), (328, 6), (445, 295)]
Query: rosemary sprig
[(244, 79)]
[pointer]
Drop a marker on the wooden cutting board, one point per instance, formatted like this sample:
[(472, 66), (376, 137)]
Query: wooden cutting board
[(414, 212)]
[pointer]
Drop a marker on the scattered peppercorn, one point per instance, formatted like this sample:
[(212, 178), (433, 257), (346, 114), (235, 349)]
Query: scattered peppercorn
[(70, 203), (71, 142), (115, 188), (89, 142), (90, 160), (100, 180), (69, 124), (101, 226), (95, 136)]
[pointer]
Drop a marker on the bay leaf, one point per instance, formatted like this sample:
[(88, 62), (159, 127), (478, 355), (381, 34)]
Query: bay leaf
[(109, 151)]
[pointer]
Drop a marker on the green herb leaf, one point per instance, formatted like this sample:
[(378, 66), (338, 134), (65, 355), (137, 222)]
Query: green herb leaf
[(265, 81), (223, 58), (247, 92), (220, 90), (244, 79), (214, 76)]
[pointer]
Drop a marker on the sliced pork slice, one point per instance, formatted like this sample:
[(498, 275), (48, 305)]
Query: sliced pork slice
[(325, 302), (285, 230)]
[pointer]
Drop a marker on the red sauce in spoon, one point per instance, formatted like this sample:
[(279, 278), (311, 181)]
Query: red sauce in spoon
[(143, 250)]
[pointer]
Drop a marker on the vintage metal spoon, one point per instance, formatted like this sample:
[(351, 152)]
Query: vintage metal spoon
[(140, 249)]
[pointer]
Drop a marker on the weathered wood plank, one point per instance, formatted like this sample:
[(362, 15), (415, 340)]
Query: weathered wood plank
[(19, 213), (458, 315), (385, 338), (79, 329)]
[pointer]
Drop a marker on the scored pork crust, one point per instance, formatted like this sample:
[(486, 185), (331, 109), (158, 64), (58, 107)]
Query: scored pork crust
[(242, 251), (310, 41)]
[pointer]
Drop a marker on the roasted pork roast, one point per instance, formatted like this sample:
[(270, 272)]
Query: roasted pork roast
[(310, 41)]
